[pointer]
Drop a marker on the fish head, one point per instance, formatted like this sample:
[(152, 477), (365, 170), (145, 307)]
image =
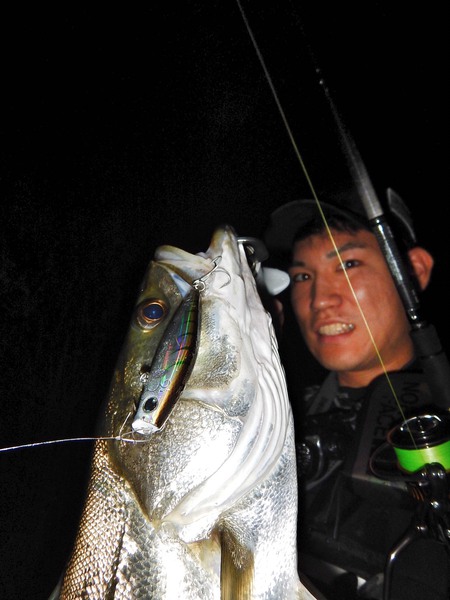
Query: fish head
[(222, 279)]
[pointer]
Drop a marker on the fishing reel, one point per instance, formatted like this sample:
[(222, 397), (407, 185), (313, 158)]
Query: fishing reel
[(421, 440), (324, 446), (419, 450)]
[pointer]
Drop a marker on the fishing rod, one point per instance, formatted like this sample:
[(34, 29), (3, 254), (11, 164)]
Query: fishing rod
[(421, 443), (428, 347)]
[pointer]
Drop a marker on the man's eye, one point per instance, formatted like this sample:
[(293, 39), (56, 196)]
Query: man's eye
[(349, 264), (298, 277)]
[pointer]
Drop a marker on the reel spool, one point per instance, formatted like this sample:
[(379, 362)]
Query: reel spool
[(421, 440), (410, 446)]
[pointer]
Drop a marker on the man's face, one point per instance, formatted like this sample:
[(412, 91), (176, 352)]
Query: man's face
[(328, 314)]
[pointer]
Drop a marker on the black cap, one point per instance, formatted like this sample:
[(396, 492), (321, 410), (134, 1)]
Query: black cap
[(287, 220)]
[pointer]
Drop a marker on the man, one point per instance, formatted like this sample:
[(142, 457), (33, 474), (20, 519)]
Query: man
[(354, 324)]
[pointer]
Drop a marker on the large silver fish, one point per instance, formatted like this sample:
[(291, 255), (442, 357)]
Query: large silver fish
[(199, 499)]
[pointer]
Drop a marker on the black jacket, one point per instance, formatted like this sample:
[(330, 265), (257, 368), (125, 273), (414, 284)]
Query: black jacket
[(348, 516)]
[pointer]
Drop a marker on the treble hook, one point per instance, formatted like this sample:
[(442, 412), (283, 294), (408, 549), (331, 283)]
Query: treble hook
[(200, 285)]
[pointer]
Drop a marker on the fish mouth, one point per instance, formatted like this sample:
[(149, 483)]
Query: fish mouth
[(336, 328)]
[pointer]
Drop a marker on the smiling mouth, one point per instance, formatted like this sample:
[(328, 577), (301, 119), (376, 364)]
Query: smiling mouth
[(336, 328)]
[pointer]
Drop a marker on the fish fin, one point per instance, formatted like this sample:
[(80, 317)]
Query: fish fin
[(55, 595), (208, 553), (237, 569)]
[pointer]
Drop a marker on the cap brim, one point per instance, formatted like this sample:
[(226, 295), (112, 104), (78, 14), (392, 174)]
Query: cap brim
[(287, 220)]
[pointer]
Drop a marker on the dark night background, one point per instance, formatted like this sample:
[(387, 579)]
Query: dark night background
[(125, 129)]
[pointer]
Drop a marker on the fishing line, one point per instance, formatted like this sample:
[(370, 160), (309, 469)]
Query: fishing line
[(117, 438), (316, 199)]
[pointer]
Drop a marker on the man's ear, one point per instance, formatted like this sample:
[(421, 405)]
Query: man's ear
[(422, 263)]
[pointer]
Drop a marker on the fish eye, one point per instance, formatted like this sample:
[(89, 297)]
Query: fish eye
[(150, 313)]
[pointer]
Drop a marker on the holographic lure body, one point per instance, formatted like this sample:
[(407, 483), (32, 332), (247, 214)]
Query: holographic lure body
[(170, 369)]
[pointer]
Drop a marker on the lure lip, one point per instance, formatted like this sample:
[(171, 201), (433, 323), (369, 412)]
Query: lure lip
[(143, 427)]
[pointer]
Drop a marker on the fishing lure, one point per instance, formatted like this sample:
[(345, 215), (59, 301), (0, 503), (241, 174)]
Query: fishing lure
[(174, 359)]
